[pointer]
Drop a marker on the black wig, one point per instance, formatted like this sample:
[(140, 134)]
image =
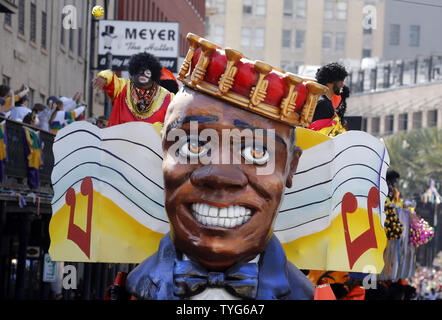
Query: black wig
[(330, 73)]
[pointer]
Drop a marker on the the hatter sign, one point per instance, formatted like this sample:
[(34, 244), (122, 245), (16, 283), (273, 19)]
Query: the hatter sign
[(126, 38)]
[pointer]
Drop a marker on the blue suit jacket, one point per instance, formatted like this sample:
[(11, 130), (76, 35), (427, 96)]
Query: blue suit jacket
[(278, 279)]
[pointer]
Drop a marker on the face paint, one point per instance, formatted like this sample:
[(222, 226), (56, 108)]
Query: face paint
[(143, 78)]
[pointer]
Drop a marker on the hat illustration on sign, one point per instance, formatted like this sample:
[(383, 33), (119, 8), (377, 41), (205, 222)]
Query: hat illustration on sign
[(109, 31)]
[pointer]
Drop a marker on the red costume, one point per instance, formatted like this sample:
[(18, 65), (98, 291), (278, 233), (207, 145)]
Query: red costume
[(121, 92)]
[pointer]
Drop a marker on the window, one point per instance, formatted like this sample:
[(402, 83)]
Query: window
[(221, 5), (389, 124), (341, 10), (259, 38), (340, 41), (285, 65), (375, 125), (369, 29), (219, 35), (288, 8), (395, 34), (415, 36), (31, 95), (8, 19), (42, 98), (329, 7), (301, 8), (6, 80), (432, 118), (300, 39), (326, 41), (245, 36), (260, 9), (33, 31), (21, 17), (71, 39), (247, 6), (286, 38), (417, 120), (62, 31), (403, 122), (44, 26), (366, 53), (80, 42)]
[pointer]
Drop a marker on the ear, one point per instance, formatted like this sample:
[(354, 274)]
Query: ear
[(293, 166)]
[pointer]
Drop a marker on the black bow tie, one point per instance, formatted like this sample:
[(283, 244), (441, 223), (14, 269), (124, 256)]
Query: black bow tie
[(191, 278)]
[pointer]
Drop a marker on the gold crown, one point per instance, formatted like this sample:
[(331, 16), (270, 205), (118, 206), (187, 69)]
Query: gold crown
[(273, 94)]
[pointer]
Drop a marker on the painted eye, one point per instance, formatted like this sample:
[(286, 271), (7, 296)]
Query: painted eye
[(193, 148), (148, 73), (256, 154)]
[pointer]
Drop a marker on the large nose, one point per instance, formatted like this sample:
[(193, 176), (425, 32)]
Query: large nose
[(219, 177)]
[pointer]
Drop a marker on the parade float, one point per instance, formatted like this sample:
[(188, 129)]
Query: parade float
[(109, 189)]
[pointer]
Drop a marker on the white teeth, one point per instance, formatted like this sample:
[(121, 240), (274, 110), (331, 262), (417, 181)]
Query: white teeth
[(223, 212), (231, 211), (230, 217), (204, 209), (213, 212)]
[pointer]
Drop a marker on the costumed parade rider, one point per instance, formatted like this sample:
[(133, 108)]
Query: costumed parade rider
[(221, 244), (326, 119), (139, 98)]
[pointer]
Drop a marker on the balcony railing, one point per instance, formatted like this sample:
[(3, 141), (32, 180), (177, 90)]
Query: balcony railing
[(393, 74), (16, 169)]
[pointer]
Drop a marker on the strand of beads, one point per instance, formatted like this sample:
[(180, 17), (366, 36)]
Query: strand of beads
[(392, 226), (420, 231)]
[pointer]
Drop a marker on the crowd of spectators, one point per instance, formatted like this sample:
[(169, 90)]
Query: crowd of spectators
[(52, 116), (428, 281)]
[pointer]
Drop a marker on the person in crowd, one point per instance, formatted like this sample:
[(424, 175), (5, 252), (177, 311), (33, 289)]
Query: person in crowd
[(21, 110), (45, 116), (102, 122), (32, 118), (342, 107), (331, 75), (6, 93), (60, 118), (168, 81), (139, 98)]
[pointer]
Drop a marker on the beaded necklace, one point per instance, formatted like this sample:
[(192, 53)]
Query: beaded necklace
[(142, 99)]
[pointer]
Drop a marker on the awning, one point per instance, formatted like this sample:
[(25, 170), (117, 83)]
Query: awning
[(7, 6)]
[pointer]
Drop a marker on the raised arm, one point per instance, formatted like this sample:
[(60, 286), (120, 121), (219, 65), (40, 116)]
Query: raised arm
[(109, 82)]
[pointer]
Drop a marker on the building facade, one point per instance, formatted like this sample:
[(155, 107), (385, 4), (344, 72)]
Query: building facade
[(401, 109), (39, 52), (292, 33)]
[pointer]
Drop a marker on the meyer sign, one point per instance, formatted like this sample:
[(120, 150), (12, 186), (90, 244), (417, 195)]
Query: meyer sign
[(125, 38)]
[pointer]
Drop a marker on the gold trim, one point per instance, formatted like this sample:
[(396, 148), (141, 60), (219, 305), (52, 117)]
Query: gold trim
[(157, 102)]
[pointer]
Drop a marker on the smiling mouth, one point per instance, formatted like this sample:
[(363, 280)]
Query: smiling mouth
[(230, 217)]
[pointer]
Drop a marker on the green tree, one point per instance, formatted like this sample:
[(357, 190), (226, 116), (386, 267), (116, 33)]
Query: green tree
[(417, 156)]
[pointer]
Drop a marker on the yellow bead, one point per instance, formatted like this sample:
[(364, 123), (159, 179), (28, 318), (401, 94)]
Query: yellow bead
[(98, 11)]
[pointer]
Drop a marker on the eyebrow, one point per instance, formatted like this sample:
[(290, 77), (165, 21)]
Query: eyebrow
[(200, 119), (245, 125)]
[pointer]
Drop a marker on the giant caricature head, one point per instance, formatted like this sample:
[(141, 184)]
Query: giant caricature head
[(223, 212)]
